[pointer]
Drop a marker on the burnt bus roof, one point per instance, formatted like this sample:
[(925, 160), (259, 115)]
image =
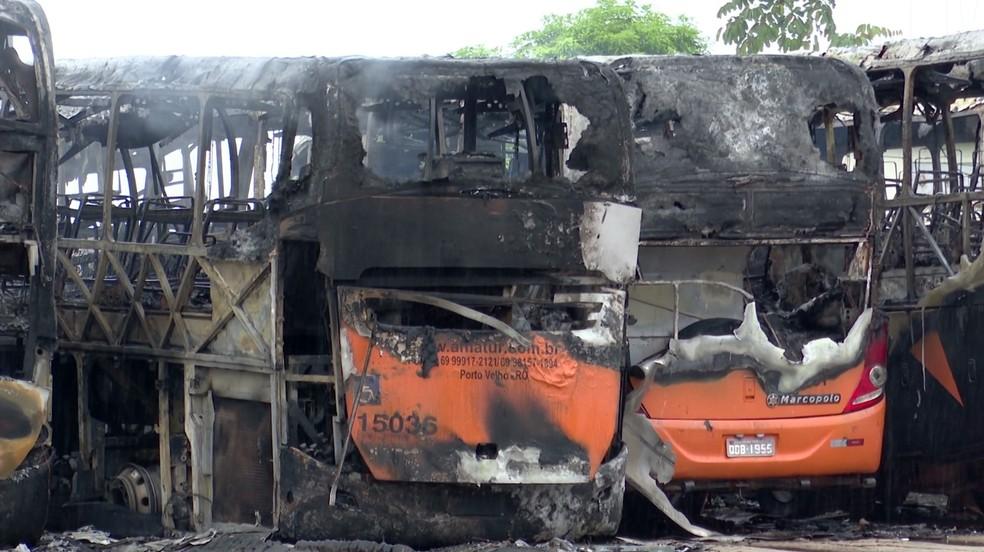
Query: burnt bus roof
[(253, 76), (950, 66), (264, 75), (601, 152), (909, 52), (724, 147)]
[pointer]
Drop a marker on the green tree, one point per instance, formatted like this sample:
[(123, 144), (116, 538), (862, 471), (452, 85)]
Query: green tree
[(864, 34), (609, 28), (753, 25), (477, 51)]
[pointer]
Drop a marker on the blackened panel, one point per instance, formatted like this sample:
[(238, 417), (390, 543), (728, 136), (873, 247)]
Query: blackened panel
[(449, 233), (813, 209), (427, 516), (674, 214), (925, 418)]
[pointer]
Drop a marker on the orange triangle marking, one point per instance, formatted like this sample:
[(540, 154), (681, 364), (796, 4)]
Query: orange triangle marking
[(936, 363)]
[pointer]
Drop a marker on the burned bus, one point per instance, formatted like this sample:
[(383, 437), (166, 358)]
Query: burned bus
[(472, 227), (346, 298), (930, 92), (27, 231), (752, 323)]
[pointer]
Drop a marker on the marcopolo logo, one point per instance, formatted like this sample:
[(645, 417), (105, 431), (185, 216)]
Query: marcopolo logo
[(794, 399)]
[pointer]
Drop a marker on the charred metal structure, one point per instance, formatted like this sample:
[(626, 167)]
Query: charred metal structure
[(27, 232), (756, 177), (931, 92), (336, 296), (472, 234)]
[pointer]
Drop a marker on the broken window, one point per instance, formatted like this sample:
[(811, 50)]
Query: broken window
[(18, 82), (524, 308), (836, 137), (487, 128), (156, 165), (721, 116), (801, 292)]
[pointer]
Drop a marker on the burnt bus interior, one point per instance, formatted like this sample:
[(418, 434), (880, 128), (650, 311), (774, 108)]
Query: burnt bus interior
[(173, 340), (760, 198), (930, 103)]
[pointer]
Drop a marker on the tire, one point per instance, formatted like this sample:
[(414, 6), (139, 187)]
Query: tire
[(780, 503)]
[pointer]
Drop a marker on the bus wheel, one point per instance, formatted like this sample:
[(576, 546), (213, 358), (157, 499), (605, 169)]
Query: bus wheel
[(783, 503)]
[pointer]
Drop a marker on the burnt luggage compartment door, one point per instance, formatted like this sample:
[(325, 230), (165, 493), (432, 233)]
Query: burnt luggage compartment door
[(27, 197)]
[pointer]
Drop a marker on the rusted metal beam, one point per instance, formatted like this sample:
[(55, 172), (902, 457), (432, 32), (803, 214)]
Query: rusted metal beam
[(180, 298), (887, 238), (176, 318), (953, 169), (134, 293), (927, 200), (259, 160), (90, 298), (233, 153), (204, 147), (109, 168), (693, 242), (227, 362), (695, 282), (199, 427), (932, 242), (82, 412), (828, 124), (158, 248), (533, 149), (339, 416), (131, 176), (327, 379), (235, 302), (278, 429), (907, 222), (164, 441)]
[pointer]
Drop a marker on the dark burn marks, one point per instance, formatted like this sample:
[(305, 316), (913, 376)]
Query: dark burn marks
[(427, 516), (13, 423), (529, 425), (742, 132)]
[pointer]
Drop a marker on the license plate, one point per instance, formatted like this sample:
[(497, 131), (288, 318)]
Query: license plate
[(750, 447)]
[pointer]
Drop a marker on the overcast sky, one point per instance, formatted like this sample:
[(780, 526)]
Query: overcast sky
[(85, 28)]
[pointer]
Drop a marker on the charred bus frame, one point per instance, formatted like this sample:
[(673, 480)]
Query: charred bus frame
[(757, 178), (199, 198), (930, 91), (28, 156)]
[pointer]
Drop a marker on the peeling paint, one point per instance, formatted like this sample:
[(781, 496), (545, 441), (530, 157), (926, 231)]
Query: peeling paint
[(517, 464), (609, 239), (821, 357)]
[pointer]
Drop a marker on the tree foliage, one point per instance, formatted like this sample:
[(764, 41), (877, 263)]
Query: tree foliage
[(610, 27), (753, 25), (477, 51), (861, 36)]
